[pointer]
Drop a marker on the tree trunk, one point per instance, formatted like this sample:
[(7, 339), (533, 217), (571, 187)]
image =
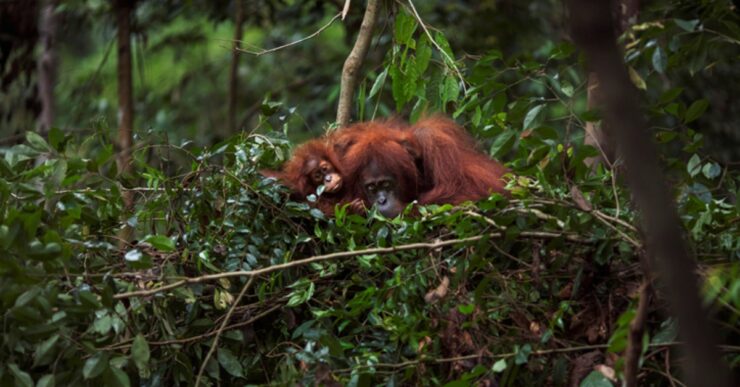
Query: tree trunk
[(597, 135), (47, 63), (234, 71), (351, 69), (123, 11), (18, 38), (593, 32)]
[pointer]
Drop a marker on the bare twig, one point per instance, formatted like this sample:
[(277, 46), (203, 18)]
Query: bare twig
[(634, 338), (345, 9), (214, 345), (352, 64), (262, 51)]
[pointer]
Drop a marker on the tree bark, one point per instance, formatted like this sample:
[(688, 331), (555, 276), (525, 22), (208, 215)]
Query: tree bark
[(47, 63), (596, 135), (123, 11), (234, 70), (593, 30), (351, 69)]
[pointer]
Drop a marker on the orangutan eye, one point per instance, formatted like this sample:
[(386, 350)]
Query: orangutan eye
[(370, 188)]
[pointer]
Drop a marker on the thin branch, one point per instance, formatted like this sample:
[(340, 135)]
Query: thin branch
[(228, 328), (261, 51), (634, 337), (351, 69), (541, 352), (221, 330), (343, 254), (450, 61), (345, 9)]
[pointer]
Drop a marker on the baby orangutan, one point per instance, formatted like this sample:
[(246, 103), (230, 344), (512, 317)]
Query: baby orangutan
[(313, 165)]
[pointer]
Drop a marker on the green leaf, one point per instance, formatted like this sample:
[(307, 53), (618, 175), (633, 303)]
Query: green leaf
[(466, 309), (43, 354), (445, 46), (230, 363), (502, 143), (316, 213), (659, 60), (56, 138), (499, 366), (449, 90), (22, 378), (140, 354), (531, 116), (379, 82), (687, 25), (668, 332), (103, 324), (28, 296), (711, 170), (117, 377), (160, 242), (567, 89), (695, 110), (521, 355), (670, 95), (423, 55), (596, 379), (95, 365), (405, 27), (37, 142), (46, 381), (397, 86), (637, 79), (694, 165), (133, 255)]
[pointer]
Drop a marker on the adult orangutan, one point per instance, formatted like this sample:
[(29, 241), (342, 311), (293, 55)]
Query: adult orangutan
[(435, 161), (313, 164), (382, 164)]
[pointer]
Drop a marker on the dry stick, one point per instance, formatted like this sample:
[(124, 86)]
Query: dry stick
[(593, 31), (352, 64), (342, 254), (221, 329), (634, 337)]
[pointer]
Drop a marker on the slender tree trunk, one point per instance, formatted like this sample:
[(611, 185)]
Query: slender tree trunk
[(593, 31), (597, 135), (47, 63), (123, 11), (351, 69), (18, 39), (234, 71)]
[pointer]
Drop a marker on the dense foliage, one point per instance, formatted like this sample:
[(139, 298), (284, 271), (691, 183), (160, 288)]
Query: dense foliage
[(517, 291)]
